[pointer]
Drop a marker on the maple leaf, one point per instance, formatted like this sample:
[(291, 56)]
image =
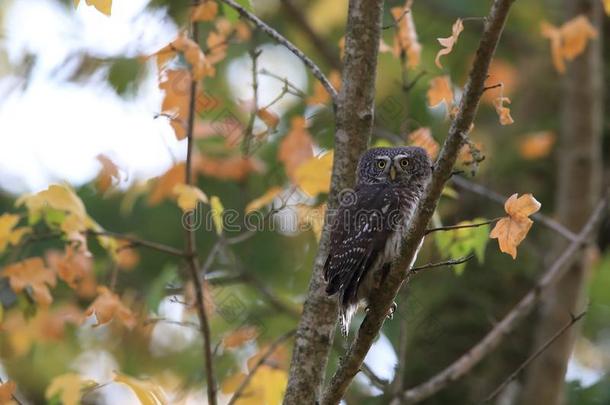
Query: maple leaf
[(263, 200), (313, 176), (189, 196), (103, 6), (422, 137), (72, 267), (68, 388), (147, 392), (205, 11), (296, 147), (320, 94), (536, 145), (31, 273), (108, 306), (440, 92), (8, 233), (240, 336), (406, 36), (109, 173), (569, 40), (503, 112), (511, 230), (217, 212), (7, 390), (449, 42), (165, 184)]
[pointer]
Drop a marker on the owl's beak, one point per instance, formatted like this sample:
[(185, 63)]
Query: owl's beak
[(392, 172)]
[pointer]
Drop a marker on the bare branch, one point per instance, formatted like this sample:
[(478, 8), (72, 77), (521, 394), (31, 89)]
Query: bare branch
[(315, 70), (254, 54), (541, 349), (451, 262), (493, 338), (385, 294), (258, 364), (453, 227), (137, 242), (377, 381)]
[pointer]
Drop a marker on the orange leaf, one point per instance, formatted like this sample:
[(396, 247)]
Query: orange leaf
[(449, 42), (107, 306), (406, 37), (234, 168), (176, 102), (206, 11), (31, 273), (320, 95), (536, 145), (500, 72), (240, 336), (569, 40), (270, 118), (127, 257), (6, 391), (164, 185), (422, 137), (109, 174), (511, 230), (503, 112), (440, 92), (296, 147), (72, 267)]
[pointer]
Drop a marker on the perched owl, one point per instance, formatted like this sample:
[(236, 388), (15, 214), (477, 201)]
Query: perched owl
[(368, 228)]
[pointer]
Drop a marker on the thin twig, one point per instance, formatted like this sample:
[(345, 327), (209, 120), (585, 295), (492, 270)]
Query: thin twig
[(377, 381), (136, 242), (452, 227), (248, 134), (270, 350), (299, 92), (495, 86), (541, 349), (451, 262), (315, 70)]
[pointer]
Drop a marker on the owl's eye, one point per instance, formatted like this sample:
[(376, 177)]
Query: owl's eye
[(404, 163), (381, 164)]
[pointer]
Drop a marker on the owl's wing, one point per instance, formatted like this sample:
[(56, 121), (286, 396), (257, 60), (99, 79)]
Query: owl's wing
[(358, 236)]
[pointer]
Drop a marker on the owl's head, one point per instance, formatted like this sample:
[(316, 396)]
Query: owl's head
[(402, 165)]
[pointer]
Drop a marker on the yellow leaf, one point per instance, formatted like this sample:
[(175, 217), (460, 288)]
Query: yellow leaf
[(107, 306), (313, 176), (607, 6), (8, 233), (147, 392), (6, 391), (503, 112), (69, 387), (422, 137), (511, 230), (206, 11), (103, 6), (267, 386), (536, 145), (59, 197), (406, 37), (449, 42), (263, 200), (31, 273), (569, 40), (270, 118), (189, 196), (217, 211), (440, 92)]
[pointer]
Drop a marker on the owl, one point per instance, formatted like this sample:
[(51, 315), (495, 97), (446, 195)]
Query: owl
[(369, 225)]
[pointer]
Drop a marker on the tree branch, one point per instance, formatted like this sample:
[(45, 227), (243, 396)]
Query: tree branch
[(493, 338), (136, 242), (258, 364), (191, 244), (385, 295), (451, 262), (453, 227), (541, 349), (315, 70)]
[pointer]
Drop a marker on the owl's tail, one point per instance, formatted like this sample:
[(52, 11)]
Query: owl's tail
[(347, 312)]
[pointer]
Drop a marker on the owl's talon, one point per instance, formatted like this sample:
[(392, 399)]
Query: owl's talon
[(392, 310)]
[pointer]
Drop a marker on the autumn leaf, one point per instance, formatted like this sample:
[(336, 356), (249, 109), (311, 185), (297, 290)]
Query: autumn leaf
[(58, 197), (8, 233), (406, 36), (320, 94), (503, 73), (270, 118), (235, 168), (511, 230), (147, 392), (109, 173), (607, 6), (217, 212), (205, 11), (267, 386), (296, 147), (189, 196), (126, 257), (72, 267), (108, 306), (176, 85), (31, 273), (240, 336), (263, 200), (7, 390), (569, 40), (68, 387), (503, 111), (449, 42), (313, 176), (422, 137), (536, 145), (165, 184), (440, 92), (103, 6)]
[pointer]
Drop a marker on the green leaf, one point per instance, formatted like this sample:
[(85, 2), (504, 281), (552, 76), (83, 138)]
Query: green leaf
[(458, 243), (233, 15)]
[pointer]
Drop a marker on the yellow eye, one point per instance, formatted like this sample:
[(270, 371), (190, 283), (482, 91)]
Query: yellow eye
[(404, 163), (381, 164)]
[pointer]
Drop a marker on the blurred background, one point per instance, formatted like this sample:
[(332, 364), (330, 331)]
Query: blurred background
[(85, 102)]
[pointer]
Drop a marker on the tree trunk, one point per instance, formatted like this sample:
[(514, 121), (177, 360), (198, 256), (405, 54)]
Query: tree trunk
[(579, 185), (354, 123)]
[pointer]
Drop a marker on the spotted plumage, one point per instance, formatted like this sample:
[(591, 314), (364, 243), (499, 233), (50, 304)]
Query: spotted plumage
[(369, 225)]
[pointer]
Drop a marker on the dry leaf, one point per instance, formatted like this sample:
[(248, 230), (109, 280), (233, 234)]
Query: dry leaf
[(189, 196), (72, 267), (503, 73), (205, 11), (68, 387), (569, 40), (103, 6), (536, 145), (107, 306), (240, 336), (263, 200), (422, 137), (406, 37), (127, 257), (109, 173), (503, 112), (320, 94), (8, 233), (270, 118), (176, 86), (511, 230), (235, 168), (7, 390), (165, 184), (313, 176), (449, 42), (440, 92), (296, 147), (31, 273)]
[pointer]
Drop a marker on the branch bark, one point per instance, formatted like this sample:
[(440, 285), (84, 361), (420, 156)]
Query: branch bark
[(493, 338), (354, 123), (352, 361)]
